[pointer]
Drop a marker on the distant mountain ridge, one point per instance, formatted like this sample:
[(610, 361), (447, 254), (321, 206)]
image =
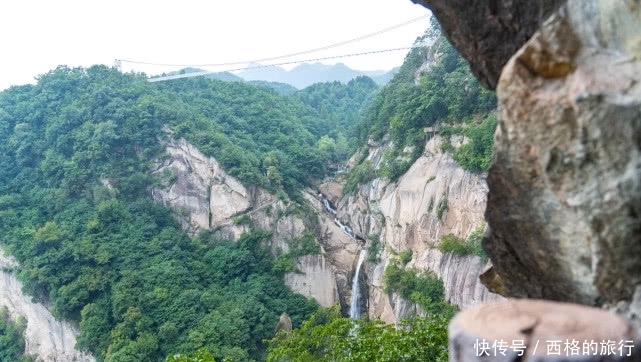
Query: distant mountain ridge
[(300, 77), (307, 74)]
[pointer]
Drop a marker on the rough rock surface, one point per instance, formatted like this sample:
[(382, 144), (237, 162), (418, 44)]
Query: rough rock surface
[(564, 202), (488, 33), (536, 324), (340, 250), (318, 279), (205, 197), (404, 214), (48, 339), (198, 187)]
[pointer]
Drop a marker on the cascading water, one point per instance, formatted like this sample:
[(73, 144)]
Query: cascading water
[(328, 206), (354, 310)]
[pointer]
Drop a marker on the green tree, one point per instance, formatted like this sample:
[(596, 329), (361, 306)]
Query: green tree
[(327, 336), (12, 343)]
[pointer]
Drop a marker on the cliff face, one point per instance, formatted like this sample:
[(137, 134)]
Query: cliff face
[(197, 187), (565, 203), (564, 200), (205, 197), (404, 214), (48, 339)]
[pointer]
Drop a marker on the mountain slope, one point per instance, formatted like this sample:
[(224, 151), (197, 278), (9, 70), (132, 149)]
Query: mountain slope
[(77, 157), (416, 189)]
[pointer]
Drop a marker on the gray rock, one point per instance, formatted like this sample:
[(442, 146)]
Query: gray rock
[(488, 33), (564, 202)]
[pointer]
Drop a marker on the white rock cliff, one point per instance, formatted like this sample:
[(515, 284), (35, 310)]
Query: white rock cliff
[(46, 338), (404, 214), (205, 197)]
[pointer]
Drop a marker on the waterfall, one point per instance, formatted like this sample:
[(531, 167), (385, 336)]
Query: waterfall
[(328, 206), (354, 310)]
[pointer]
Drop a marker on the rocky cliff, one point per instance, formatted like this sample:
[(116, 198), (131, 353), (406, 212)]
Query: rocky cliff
[(487, 33), (569, 199), (564, 202), (205, 197), (48, 339), (404, 215)]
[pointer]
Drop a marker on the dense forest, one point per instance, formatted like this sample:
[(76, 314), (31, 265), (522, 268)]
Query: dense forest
[(76, 154), (76, 151)]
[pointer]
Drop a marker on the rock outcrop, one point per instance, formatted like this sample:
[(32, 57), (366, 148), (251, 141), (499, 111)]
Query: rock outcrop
[(540, 330), (205, 197), (404, 215), (48, 339), (488, 33), (317, 279), (198, 188), (564, 204)]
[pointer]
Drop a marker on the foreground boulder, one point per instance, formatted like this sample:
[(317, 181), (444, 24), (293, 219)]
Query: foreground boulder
[(564, 202), (526, 329)]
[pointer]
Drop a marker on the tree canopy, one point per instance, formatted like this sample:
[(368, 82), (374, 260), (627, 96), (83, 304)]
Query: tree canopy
[(327, 336), (76, 151)]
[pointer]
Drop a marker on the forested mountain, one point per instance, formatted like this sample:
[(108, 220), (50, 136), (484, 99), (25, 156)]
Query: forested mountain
[(225, 76), (443, 95), (339, 109), (76, 151), (76, 154)]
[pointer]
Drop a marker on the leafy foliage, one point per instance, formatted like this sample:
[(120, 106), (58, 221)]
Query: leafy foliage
[(339, 107), (299, 246), (374, 248), (360, 174), (405, 257), (202, 355), (12, 343), (475, 155), (76, 152), (258, 135), (327, 336), (469, 246), (441, 208), (421, 287)]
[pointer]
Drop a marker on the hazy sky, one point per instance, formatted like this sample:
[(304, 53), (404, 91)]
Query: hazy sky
[(38, 35)]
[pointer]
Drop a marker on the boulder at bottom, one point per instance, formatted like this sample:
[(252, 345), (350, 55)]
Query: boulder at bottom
[(539, 330)]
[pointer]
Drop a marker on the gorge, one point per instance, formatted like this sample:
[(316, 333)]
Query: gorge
[(175, 217)]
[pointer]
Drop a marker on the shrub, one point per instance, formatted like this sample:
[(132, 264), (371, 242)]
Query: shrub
[(421, 287), (359, 175), (441, 208), (300, 246), (374, 249), (405, 256), (470, 246), (244, 219)]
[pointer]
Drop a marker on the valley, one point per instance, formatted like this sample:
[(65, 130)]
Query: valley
[(149, 220)]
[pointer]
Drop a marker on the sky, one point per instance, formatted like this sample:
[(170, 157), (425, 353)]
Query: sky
[(38, 35)]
